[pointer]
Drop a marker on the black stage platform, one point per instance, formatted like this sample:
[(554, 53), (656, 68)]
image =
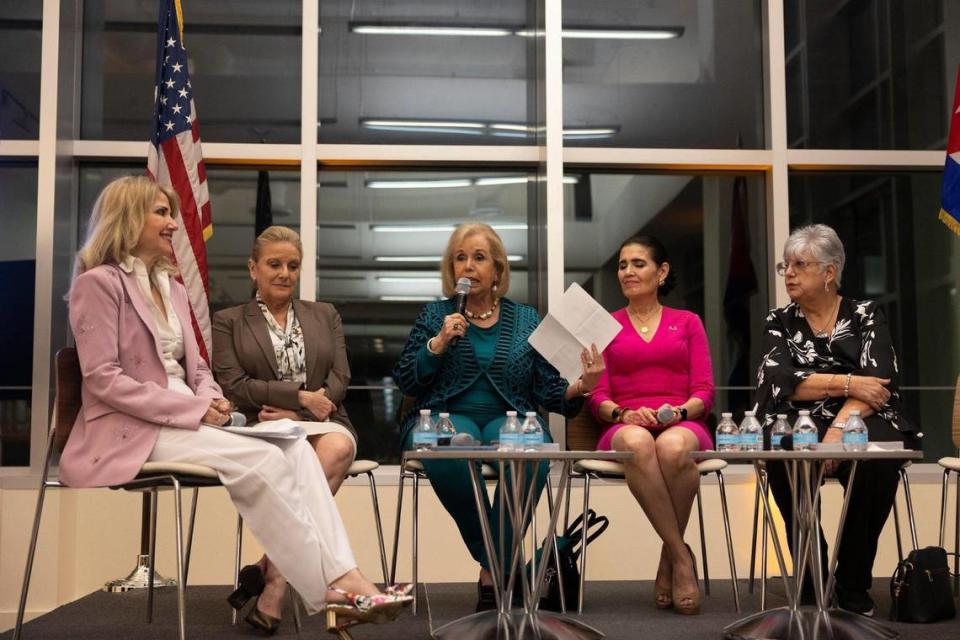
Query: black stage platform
[(622, 610)]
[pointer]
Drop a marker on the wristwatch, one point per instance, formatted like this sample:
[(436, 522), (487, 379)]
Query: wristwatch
[(683, 413), (616, 414)]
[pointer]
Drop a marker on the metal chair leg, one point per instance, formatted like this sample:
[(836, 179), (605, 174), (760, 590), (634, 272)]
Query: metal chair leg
[(767, 531), (956, 541), (896, 527), (376, 517), (35, 532), (909, 499), (943, 505), (181, 568), (235, 616), (583, 546), (193, 519), (753, 535), (729, 537), (396, 529), (416, 538), (703, 545), (153, 554), (295, 605), (556, 549)]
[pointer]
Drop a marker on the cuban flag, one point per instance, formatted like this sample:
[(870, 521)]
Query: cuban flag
[(175, 160), (950, 192)]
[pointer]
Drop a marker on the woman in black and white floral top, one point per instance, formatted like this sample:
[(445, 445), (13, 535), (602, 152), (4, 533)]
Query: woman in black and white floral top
[(832, 355)]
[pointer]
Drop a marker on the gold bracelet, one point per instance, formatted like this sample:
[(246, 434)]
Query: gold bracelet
[(580, 388)]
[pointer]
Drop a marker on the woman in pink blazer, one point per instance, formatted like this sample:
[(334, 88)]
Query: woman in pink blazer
[(149, 396)]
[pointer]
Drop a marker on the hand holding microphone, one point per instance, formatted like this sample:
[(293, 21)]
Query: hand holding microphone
[(460, 300), (666, 415), (455, 324)]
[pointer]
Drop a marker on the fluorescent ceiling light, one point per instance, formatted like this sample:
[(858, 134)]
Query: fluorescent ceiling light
[(638, 33), (501, 180), (477, 127), (595, 131), (408, 298), (409, 279), (428, 30), (591, 33), (510, 258), (395, 122), (420, 184), (437, 228)]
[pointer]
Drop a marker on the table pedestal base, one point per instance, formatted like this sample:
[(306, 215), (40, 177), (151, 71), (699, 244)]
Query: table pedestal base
[(808, 622), (516, 625)]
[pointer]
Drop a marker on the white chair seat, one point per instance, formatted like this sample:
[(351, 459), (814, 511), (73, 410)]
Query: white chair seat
[(953, 464), (362, 466), (416, 466), (602, 467), (179, 468), (711, 466)]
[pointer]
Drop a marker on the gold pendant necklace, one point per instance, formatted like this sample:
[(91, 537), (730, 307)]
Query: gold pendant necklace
[(644, 329)]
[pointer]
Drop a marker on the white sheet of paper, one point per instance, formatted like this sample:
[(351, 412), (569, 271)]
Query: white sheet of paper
[(284, 429), (576, 322)]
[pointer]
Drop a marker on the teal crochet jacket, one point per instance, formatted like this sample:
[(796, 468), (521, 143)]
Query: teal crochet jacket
[(526, 381)]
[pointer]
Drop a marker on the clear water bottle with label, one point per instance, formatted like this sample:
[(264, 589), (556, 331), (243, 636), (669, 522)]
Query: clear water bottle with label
[(728, 435), (780, 428), (751, 435), (532, 432), (445, 430), (424, 432), (855, 432), (510, 434), (805, 433)]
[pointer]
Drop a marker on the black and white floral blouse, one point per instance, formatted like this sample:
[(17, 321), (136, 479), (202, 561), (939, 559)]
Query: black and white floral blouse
[(859, 344)]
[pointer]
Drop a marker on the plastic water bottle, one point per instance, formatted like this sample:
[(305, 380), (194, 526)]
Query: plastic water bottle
[(855, 432), (532, 432), (445, 430), (805, 434), (510, 433), (780, 428), (751, 435), (728, 435), (424, 432)]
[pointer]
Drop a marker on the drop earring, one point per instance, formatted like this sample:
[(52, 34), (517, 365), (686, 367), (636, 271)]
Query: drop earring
[(826, 287)]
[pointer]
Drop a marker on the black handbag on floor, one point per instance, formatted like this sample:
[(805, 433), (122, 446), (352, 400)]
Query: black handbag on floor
[(920, 589), (569, 547)]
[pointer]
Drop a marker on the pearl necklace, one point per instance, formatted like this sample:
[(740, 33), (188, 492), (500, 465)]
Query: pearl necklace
[(644, 329), (482, 316)]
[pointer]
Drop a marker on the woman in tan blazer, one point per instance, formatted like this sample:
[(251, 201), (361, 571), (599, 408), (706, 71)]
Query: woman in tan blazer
[(278, 357)]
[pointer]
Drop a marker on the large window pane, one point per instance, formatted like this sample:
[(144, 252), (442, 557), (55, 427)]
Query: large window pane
[(686, 73), (20, 26), (693, 216), (431, 72), (379, 242), (244, 67), (18, 218), (233, 199), (872, 74), (899, 254)]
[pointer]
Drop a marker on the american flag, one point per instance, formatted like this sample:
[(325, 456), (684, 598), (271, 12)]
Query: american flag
[(175, 160)]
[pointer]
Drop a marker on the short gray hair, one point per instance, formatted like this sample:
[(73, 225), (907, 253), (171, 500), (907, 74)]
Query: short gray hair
[(820, 242)]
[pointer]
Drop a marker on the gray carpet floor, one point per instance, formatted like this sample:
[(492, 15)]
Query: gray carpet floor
[(622, 610)]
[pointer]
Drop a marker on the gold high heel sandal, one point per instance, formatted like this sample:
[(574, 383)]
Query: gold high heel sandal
[(662, 596), (688, 604)]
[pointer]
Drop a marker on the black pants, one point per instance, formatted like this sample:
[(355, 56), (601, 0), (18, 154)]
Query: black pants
[(874, 490)]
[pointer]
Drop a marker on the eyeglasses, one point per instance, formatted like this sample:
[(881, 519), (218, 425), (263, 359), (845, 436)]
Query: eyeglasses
[(798, 266)]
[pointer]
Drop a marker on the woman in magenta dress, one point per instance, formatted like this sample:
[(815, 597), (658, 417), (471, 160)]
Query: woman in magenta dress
[(653, 398)]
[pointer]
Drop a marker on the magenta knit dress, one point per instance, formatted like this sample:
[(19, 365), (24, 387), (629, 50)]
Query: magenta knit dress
[(673, 367)]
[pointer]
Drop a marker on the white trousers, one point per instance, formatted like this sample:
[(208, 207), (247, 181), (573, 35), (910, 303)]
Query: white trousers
[(280, 490)]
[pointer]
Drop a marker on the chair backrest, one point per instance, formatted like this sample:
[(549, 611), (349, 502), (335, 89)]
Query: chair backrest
[(68, 401), (583, 431), (956, 414)]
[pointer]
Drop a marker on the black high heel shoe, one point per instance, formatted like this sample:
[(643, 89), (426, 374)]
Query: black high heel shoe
[(262, 621), (250, 585)]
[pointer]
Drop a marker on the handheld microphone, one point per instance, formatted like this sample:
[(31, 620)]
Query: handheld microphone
[(665, 414), (463, 440), (460, 301), (237, 419), (786, 442)]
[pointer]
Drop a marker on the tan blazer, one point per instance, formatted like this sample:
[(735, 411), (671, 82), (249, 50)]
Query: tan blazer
[(245, 365)]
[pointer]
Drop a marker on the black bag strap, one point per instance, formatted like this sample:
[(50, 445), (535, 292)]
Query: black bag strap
[(595, 526)]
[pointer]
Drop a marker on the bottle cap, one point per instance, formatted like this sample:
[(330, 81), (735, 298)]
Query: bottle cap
[(804, 412), (781, 416), (749, 414), (855, 412), (726, 414), (444, 414), (531, 414), (424, 412), (511, 414)]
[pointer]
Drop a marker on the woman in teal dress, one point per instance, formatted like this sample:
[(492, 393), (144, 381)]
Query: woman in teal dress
[(477, 366)]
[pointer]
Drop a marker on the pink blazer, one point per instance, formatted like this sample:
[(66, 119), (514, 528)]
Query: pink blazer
[(125, 395)]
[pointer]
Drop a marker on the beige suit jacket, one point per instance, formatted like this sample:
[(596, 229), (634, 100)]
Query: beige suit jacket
[(245, 365)]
